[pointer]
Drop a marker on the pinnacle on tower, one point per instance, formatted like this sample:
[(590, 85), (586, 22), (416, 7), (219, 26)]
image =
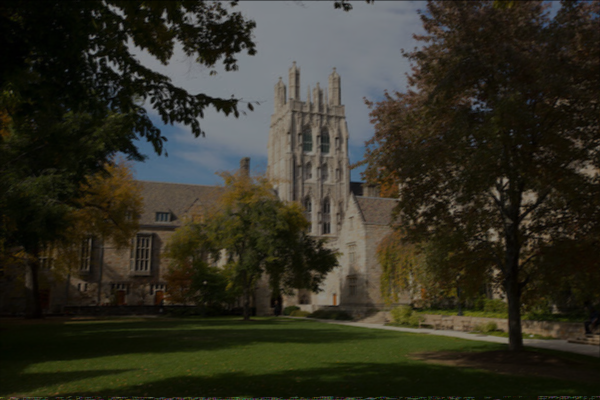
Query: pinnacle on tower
[(335, 89), (294, 82), (280, 99)]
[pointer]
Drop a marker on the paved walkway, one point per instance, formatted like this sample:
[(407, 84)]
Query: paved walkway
[(560, 345)]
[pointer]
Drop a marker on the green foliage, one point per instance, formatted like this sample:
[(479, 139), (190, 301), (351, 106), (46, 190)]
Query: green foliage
[(258, 234), (331, 314), (486, 328), (490, 148), (99, 69), (299, 313), (495, 306), (405, 315), (401, 314), (289, 309)]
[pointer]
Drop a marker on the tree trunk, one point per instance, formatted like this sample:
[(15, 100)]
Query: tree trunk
[(32, 287), (512, 287), (513, 293)]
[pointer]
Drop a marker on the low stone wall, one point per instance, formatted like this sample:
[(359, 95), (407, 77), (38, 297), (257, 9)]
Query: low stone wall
[(558, 330), (121, 310)]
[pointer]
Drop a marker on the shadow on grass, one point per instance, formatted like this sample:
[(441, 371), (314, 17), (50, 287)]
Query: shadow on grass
[(17, 382), (24, 346), (352, 380)]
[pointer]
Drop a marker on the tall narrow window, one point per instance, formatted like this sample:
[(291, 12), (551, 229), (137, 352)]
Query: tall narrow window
[(324, 172), (324, 141), (308, 171), (85, 261), (141, 254), (308, 211), (307, 142), (326, 216)]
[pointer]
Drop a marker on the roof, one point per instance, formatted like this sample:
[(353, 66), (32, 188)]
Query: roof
[(376, 210), (176, 199)]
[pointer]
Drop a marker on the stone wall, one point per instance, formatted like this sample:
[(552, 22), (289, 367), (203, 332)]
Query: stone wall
[(558, 330)]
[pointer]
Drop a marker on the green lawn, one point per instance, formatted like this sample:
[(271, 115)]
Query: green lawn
[(224, 357)]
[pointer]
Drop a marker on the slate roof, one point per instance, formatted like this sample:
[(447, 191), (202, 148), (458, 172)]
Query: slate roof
[(175, 198), (376, 210)]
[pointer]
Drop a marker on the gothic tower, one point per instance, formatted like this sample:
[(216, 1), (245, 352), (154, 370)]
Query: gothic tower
[(308, 151)]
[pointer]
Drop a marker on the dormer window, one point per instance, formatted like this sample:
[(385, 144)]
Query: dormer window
[(163, 217)]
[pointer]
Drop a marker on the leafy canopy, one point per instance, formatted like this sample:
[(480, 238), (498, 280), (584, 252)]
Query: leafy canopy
[(496, 146)]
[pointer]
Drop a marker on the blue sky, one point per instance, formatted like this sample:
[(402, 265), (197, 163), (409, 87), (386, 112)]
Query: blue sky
[(364, 46)]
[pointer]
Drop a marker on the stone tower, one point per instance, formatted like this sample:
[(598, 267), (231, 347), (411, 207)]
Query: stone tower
[(308, 151)]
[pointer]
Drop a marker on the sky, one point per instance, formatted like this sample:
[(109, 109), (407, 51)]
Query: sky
[(364, 45)]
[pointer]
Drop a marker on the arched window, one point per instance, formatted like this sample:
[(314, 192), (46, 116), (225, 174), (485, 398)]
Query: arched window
[(307, 171), (324, 141), (326, 216), (324, 172), (307, 141)]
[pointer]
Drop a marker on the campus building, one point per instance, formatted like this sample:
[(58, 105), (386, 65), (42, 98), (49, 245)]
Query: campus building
[(307, 162)]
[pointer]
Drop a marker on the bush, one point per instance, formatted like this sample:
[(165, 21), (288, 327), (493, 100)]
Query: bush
[(495, 306), (402, 314), (487, 327), (415, 320), (331, 314), (299, 313), (289, 309)]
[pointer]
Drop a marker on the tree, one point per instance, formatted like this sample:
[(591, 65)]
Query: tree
[(67, 109), (496, 146), (258, 234)]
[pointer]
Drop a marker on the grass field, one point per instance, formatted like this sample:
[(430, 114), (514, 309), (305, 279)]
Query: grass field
[(224, 357)]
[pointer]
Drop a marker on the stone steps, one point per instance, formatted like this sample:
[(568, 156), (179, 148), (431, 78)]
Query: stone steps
[(592, 339)]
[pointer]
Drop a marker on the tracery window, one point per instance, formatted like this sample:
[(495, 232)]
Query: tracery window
[(326, 216), (307, 142), (324, 141)]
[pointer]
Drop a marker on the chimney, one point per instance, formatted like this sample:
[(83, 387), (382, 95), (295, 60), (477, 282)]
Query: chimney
[(245, 166)]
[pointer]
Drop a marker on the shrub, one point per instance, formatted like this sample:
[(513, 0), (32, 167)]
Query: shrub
[(495, 306), (299, 313), (415, 319), (487, 327), (402, 314), (289, 309), (331, 314)]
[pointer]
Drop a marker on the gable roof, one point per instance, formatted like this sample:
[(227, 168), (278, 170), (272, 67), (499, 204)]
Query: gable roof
[(176, 199), (376, 210)]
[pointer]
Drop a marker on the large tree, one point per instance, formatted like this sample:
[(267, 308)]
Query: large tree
[(496, 145), (257, 234), (73, 94)]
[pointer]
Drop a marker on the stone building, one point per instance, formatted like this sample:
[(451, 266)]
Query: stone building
[(307, 163)]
